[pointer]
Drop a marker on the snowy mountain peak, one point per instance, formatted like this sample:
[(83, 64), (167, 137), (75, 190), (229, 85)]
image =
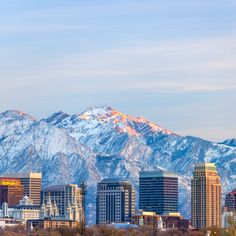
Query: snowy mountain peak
[(126, 123), (56, 118), (95, 111), (14, 114), (230, 142)]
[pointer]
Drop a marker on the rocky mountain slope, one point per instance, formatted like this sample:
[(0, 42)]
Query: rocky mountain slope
[(102, 142)]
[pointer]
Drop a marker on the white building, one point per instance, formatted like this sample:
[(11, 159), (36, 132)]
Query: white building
[(226, 216), (9, 222), (24, 211), (68, 199)]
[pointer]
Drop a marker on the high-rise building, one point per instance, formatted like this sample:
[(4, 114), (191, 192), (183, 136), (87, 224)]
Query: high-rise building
[(158, 192), (115, 201), (11, 191), (32, 183), (205, 196), (230, 201), (67, 198)]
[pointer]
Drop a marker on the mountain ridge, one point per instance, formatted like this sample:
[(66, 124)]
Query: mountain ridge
[(103, 142)]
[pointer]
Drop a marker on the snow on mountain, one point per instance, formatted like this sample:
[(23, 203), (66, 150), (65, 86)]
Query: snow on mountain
[(102, 142), (230, 142)]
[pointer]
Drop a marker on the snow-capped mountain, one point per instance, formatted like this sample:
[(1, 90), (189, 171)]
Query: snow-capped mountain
[(102, 142), (230, 142)]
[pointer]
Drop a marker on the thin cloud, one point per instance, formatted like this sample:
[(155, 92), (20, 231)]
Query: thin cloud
[(187, 66)]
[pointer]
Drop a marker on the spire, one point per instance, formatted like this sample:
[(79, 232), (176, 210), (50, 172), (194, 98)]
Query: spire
[(160, 223), (31, 226), (49, 202)]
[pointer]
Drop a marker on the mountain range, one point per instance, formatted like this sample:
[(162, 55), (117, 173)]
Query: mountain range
[(103, 142)]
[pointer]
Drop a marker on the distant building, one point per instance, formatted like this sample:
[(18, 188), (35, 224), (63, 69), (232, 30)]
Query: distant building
[(175, 221), (145, 218), (158, 192), (51, 223), (170, 221), (5, 213), (67, 199), (11, 191), (32, 183), (49, 209), (205, 196), (115, 201), (9, 222), (24, 211), (230, 201), (226, 216)]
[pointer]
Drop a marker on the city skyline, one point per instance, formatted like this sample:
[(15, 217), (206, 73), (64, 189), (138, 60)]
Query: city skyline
[(171, 62), (116, 200)]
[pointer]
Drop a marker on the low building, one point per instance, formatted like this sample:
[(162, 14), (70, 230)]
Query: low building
[(9, 222), (230, 201), (51, 223), (144, 218), (227, 216), (24, 211), (171, 220), (175, 220)]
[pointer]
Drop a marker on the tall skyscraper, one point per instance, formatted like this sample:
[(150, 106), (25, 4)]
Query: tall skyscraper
[(230, 201), (32, 183), (205, 196), (11, 191), (115, 201), (67, 198), (158, 192)]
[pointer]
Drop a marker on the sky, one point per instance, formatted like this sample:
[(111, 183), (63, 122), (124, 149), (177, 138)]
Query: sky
[(170, 61)]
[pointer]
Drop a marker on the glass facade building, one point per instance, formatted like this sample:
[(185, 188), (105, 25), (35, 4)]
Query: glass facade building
[(11, 191), (158, 192), (32, 183), (230, 201), (115, 201)]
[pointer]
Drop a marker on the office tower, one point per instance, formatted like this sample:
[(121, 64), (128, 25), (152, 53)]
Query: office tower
[(11, 191), (205, 196), (115, 201), (158, 192), (32, 183), (67, 198), (230, 201)]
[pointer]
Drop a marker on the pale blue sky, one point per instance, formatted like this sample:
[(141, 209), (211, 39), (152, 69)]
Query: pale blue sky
[(171, 61)]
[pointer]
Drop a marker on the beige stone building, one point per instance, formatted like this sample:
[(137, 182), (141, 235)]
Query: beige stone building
[(205, 196)]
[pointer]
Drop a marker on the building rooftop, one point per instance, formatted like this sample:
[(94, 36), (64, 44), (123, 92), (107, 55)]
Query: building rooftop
[(115, 180), (58, 187), (22, 175), (205, 166), (158, 173)]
